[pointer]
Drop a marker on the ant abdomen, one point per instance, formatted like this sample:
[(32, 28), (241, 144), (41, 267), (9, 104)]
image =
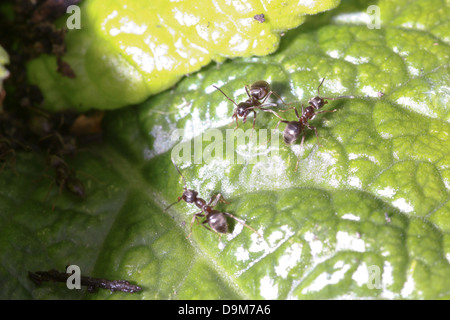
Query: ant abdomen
[(260, 89), (292, 131), (217, 221)]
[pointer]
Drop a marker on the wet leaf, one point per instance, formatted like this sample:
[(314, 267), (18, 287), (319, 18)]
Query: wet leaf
[(366, 215), (125, 51), (4, 59)]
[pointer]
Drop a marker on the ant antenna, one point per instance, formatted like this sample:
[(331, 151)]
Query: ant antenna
[(340, 97), (176, 167), (179, 199), (335, 98), (185, 186), (318, 92), (243, 223), (226, 96)]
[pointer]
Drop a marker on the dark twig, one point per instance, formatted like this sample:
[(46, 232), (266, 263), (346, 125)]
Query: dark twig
[(92, 283)]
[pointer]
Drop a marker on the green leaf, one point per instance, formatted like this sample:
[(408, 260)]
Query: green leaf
[(4, 73), (125, 51), (366, 215)]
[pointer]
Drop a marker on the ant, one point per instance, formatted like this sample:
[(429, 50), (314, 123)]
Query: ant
[(43, 126), (215, 219), (6, 147), (258, 93), (65, 177), (295, 128)]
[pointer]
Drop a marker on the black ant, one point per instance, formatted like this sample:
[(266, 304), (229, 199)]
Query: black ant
[(65, 177), (295, 128), (42, 126), (258, 93), (6, 147), (215, 219)]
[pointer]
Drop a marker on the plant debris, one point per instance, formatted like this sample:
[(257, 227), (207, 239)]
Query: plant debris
[(93, 284)]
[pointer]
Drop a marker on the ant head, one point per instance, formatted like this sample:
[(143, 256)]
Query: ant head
[(76, 187), (317, 102), (292, 131), (189, 195), (241, 109), (259, 90), (217, 221)]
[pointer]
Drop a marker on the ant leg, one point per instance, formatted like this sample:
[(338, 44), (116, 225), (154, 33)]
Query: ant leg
[(194, 218), (61, 187), (273, 112), (301, 148), (208, 228), (179, 199), (235, 116), (296, 112), (317, 135), (284, 121), (276, 95), (87, 175), (285, 110), (326, 111), (48, 191), (263, 104), (254, 121), (340, 97), (242, 222), (276, 127), (214, 200), (244, 120), (248, 92)]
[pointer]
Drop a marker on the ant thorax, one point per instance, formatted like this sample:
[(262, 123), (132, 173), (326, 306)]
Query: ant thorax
[(201, 204), (308, 114)]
